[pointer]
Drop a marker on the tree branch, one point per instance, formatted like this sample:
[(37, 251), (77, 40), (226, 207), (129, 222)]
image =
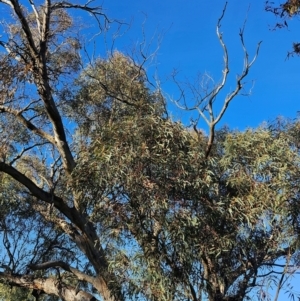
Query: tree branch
[(53, 264), (45, 26), (87, 240), (95, 11), (30, 126), (49, 286), (26, 29), (204, 105), (36, 15), (8, 2), (97, 282), (47, 197)]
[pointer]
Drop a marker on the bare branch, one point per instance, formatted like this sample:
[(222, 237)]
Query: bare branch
[(239, 84), (204, 105), (45, 28), (95, 11), (23, 151), (225, 72), (8, 2), (36, 15)]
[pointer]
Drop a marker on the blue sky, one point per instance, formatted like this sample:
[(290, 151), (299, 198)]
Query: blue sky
[(188, 43)]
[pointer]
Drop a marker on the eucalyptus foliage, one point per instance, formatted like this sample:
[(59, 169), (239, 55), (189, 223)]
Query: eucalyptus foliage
[(104, 197), (183, 226)]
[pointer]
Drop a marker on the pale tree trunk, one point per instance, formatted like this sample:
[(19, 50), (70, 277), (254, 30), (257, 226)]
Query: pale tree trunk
[(49, 286)]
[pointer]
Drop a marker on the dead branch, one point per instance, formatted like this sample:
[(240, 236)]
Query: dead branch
[(204, 105)]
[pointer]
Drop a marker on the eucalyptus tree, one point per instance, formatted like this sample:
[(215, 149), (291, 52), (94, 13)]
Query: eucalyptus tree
[(103, 197)]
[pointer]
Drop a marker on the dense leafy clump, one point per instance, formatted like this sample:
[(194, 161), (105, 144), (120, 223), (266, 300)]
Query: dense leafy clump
[(177, 220)]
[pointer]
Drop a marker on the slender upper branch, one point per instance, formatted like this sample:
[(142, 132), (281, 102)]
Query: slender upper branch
[(95, 11), (46, 21), (36, 15), (205, 103), (24, 150)]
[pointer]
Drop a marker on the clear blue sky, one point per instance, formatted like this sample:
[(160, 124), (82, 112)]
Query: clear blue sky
[(189, 44)]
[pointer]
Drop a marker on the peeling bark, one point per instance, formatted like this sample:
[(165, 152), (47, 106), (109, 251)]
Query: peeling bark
[(48, 286)]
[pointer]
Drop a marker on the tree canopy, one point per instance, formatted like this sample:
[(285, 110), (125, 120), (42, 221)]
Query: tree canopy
[(104, 197)]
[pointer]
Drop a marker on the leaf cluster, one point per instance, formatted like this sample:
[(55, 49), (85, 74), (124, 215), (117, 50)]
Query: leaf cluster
[(212, 224)]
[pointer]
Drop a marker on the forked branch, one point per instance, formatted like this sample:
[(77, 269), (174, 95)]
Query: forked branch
[(204, 105)]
